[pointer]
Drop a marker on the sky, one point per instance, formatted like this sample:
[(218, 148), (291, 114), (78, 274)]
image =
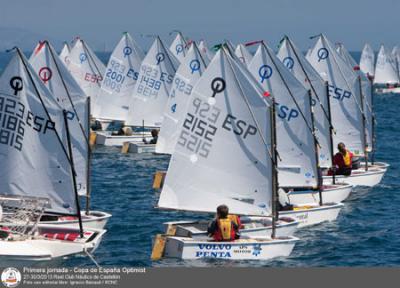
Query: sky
[(101, 23)]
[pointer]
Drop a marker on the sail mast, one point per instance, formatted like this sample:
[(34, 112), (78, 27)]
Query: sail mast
[(331, 131), (89, 160), (73, 173), (275, 183), (363, 126)]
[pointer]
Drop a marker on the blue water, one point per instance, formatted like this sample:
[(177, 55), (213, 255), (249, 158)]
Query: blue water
[(366, 233)]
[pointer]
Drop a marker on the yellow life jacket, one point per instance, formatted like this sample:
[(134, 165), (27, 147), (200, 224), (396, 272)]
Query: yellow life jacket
[(225, 227), (234, 219), (347, 159)]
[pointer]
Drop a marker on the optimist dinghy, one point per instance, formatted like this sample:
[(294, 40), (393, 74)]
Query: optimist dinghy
[(296, 144), (386, 77), (228, 165), (294, 60), (351, 110), (22, 240), (66, 91), (42, 148), (367, 61)]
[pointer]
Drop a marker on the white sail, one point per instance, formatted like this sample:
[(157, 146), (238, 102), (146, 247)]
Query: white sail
[(295, 142), (87, 70), (243, 54), (344, 93), (222, 153), (178, 47), (296, 62), (66, 91), (367, 60), (65, 52), (151, 91), (189, 72), (366, 90), (119, 79), (396, 57), (385, 69), (33, 159), (205, 51)]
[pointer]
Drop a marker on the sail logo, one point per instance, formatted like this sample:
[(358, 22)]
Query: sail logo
[(160, 57), (194, 65), (82, 57), (288, 62), (265, 72), (284, 112), (178, 49), (338, 93), (45, 74), (16, 84), (322, 54), (11, 277), (127, 51)]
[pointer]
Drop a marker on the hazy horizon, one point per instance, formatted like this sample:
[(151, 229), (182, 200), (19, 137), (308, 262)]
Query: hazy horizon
[(101, 23)]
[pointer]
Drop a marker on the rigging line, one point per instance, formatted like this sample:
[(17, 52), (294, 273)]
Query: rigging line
[(290, 92), (43, 105), (66, 90), (249, 108), (309, 81)]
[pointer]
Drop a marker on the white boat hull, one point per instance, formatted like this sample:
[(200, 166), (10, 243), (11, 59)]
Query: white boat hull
[(330, 194), (315, 215), (260, 228), (106, 139), (359, 177), (46, 249), (95, 220), (242, 249)]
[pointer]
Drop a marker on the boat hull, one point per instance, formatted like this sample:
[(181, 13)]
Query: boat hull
[(95, 220), (262, 227), (106, 139), (314, 215), (330, 194), (45, 249), (242, 249), (359, 177)]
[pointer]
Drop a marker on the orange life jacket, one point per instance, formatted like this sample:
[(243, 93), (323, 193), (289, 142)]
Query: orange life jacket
[(235, 219)]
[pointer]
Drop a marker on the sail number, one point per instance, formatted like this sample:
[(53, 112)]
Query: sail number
[(284, 112), (14, 118), (199, 127), (150, 81), (116, 74)]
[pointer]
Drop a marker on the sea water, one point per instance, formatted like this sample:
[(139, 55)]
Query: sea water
[(366, 233)]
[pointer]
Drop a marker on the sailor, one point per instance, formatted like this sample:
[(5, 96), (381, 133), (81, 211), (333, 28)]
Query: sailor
[(222, 228), (342, 161), (154, 134)]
